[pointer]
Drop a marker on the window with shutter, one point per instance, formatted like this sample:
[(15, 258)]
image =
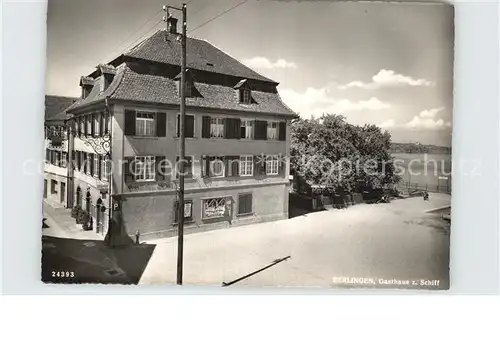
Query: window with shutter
[(188, 166), (129, 122), (260, 130), (205, 128), (245, 204), (282, 131), (188, 126), (161, 124)]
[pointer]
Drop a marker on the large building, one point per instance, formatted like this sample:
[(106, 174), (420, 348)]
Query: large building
[(55, 182), (237, 140)]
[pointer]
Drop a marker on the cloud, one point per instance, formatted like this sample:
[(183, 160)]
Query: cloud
[(264, 63), (430, 113), (387, 124), (425, 120), (345, 105), (425, 123), (318, 102), (388, 78)]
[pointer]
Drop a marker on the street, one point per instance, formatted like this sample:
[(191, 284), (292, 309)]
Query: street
[(394, 245)]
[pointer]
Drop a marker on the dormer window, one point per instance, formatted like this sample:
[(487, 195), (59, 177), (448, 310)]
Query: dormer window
[(190, 89), (87, 83), (244, 92), (246, 97)]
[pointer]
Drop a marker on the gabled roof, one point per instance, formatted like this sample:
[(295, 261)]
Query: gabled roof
[(55, 107), (86, 81), (106, 69), (242, 84), (164, 47)]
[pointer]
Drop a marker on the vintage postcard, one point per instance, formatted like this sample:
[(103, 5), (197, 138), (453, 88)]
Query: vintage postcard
[(248, 143)]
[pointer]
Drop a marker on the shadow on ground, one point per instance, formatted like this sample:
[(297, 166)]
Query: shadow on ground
[(91, 261)]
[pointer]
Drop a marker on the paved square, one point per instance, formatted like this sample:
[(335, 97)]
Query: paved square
[(395, 241)]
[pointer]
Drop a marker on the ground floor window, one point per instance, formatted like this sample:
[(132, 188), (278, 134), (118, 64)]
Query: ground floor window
[(214, 208), (53, 187), (244, 204), (188, 211)]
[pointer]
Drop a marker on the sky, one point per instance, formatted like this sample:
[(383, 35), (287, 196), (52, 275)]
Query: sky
[(389, 64)]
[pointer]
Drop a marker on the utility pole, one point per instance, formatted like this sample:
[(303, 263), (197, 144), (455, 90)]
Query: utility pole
[(182, 147), (182, 143)]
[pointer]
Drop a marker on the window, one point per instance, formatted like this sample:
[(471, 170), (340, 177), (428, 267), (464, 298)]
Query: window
[(188, 211), (105, 168), (272, 130), (216, 167), (272, 165), (145, 124), (246, 129), (89, 125), (245, 96), (216, 127), (214, 208), (105, 122), (57, 159), (53, 187), (188, 126), (82, 125), (188, 166), (47, 155), (244, 204), (189, 88), (88, 163), (82, 161), (64, 157), (97, 124), (246, 165), (145, 168), (96, 166)]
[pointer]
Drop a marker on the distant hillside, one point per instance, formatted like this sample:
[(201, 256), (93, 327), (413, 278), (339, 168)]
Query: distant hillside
[(415, 148)]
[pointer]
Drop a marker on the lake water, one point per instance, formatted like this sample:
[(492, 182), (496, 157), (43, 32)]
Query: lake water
[(431, 170)]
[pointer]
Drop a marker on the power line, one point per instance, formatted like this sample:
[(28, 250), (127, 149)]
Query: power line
[(138, 30), (142, 37), (219, 15)]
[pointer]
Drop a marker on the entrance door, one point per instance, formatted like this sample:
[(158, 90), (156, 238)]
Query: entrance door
[(63, 191), (45, 188)]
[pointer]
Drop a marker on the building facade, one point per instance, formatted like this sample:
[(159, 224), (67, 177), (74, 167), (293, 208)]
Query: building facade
[(237, 140), (56, 177)]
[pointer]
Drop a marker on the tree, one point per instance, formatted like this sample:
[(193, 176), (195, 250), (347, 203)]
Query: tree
[(330, 152)]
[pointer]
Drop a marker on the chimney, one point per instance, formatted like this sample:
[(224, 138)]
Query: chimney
[(172, 25)]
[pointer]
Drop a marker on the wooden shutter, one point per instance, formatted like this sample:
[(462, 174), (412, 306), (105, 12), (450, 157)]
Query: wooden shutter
[(232, 128), (260, 132), (205, 129), (91, 164), (128, 168), (161, 124), (160, 168), (92, 124), (189, 126), (99, 166), (100, 117), (281, 165), (245, 203), (282, 131), (129, 122)]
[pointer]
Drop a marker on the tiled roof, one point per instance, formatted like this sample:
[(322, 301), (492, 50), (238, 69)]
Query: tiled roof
[(163, 90), (55, 107), (164, 47)]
